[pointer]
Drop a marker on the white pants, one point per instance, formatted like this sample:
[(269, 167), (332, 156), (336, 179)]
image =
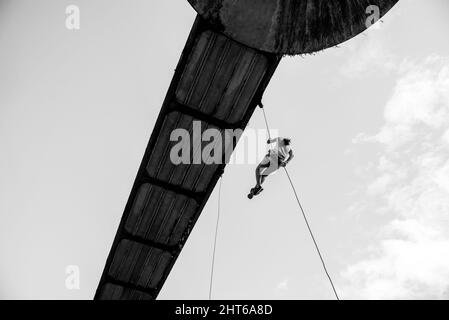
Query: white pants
[(270, 164)]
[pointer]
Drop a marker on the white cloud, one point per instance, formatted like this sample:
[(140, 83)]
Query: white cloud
[(420, 98), (411, 183), (368, 54)]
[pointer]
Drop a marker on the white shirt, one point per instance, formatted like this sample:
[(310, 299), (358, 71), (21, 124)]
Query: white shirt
[(280, 150)]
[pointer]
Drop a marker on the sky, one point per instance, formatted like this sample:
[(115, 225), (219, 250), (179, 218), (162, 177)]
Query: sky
[(369, 125)]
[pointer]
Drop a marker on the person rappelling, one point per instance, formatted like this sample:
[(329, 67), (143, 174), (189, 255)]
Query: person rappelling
[(279, 155)]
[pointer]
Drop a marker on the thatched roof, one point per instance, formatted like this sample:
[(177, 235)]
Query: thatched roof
[(289, 26)]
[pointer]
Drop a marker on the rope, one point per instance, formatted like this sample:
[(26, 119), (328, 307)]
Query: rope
[(311, 234), (266, 122), (305, 217), (215, 242)]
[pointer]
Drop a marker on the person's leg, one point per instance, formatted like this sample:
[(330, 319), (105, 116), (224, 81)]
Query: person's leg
[(259, 177), (272, 166)]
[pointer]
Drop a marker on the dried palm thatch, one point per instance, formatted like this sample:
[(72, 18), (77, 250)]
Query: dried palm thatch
[(290, 26)]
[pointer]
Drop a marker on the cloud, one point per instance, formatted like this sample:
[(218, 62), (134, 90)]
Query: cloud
[(367, 54), (411, 184), (418, 103)]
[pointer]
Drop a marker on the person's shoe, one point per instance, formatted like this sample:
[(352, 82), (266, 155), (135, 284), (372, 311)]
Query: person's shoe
[(258, 190)]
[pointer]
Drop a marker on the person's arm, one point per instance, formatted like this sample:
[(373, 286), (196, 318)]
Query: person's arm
[(271, 140), (290, 157)]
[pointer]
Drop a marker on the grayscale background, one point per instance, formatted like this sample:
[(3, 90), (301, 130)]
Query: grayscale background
[(368, 121)]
